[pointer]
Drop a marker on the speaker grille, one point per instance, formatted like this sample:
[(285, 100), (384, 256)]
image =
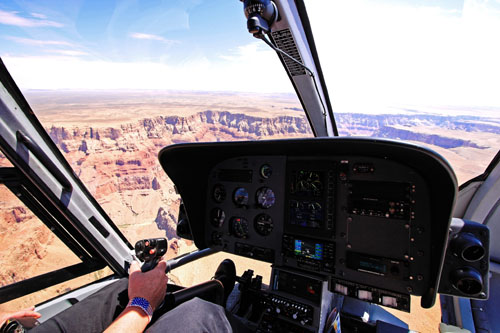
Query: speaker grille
[(284, 41)]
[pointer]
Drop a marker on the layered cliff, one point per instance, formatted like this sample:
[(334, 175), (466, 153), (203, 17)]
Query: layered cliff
[(434, 130), (406, 134), (120, 165)]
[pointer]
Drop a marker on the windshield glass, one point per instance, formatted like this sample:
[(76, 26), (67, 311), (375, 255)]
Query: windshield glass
[(420, 71), (113, 83)]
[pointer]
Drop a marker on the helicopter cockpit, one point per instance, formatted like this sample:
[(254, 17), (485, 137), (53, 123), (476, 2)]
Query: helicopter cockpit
[(337, 218), (351, 226)]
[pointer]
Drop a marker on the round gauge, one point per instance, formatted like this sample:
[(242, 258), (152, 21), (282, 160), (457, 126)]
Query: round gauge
[(307, 183), (216, 238), (217, 217), (314, 206), (263, 224), (265, 197), (239, 227), (219, 193), (266, 171), (240, 196)]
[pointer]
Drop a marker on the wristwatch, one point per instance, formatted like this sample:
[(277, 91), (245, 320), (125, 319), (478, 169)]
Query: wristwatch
[(143, 304)]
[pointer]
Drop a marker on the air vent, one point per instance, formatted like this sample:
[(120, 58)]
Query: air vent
[(284, 41)]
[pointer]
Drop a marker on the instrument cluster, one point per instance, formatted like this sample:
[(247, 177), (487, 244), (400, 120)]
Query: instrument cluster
[(246, 202), (344, 217)]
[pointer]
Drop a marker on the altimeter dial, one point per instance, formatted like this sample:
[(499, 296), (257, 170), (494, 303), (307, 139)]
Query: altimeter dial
[(265, 197)]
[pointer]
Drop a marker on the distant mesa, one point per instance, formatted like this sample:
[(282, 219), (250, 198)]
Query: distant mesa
[(83, 147), (17, 215), (134, 162), (166, 221), (390, 126), (295, 109), (64, 147), (433, 139), (155, 184), (173, 248)]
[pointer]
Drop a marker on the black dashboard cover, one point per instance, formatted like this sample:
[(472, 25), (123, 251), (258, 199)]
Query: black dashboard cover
[(189, 166)]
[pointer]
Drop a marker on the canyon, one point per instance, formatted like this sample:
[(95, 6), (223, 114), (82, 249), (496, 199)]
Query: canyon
[(112, 143)]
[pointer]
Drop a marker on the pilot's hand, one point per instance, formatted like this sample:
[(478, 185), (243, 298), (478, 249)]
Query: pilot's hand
[(151, 285), (26, 313)]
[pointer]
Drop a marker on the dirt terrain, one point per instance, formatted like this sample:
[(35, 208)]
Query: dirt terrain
[(112, 140)]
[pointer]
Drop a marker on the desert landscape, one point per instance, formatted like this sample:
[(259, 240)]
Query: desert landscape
[(112, 140)]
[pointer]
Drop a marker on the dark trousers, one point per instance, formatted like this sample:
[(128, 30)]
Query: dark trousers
[(96, 312)]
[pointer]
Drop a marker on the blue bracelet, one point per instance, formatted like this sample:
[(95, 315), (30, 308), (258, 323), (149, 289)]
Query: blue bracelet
[(143, 304)]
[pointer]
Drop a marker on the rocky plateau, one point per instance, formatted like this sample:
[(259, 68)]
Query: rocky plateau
[(119, 164)]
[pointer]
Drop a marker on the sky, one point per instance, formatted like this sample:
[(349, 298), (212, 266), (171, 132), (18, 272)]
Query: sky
[(189, 45), (372, 52)]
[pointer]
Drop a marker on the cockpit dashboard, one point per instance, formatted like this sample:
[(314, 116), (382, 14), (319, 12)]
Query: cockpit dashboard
[(368, 217)]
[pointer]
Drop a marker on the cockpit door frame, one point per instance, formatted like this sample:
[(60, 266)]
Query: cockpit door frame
[(29, 148)]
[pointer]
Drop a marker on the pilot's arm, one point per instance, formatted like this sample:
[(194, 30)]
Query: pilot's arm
[(143, 289)]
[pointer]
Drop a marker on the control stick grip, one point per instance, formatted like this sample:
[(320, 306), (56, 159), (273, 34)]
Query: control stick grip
[(150, 251)]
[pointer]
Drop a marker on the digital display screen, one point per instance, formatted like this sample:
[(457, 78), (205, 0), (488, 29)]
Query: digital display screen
[(372, 266), (299, 285), (306, 213), (366, 263), (308, 250), (381, 199)]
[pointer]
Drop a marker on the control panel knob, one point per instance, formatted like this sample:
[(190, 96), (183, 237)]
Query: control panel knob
[(278, 310), (295, 316)]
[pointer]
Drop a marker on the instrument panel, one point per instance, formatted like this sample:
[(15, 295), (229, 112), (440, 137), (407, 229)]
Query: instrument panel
[(350, 217), (371, 216)]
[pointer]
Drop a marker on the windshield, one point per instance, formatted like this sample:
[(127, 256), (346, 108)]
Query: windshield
[(113, 83), (420, 71)]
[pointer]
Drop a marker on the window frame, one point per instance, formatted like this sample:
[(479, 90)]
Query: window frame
[(45, 182), (50, 217)]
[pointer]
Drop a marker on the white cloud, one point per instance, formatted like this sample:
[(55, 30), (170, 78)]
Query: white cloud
[(12, 18), (38, 15), (139, 35), (71, 53), (37, 42), (249, 70)]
